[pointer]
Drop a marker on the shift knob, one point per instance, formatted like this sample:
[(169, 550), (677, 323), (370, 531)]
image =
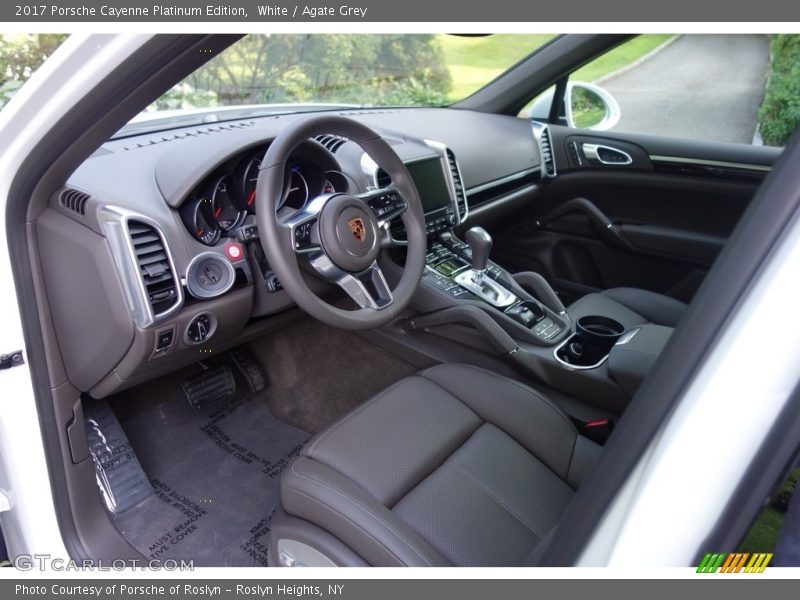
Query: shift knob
[(480, 242)]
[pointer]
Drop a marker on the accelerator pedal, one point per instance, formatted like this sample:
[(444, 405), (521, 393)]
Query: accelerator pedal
[(119, 475), (248, 366), (209, 390)]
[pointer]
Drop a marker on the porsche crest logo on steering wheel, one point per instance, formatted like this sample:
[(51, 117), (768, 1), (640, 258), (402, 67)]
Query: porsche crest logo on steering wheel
[(356, 225)]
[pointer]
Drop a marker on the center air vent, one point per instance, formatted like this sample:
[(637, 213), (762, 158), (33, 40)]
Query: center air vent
[(458, 185), (160, 284), (332, 142), (74, 200)]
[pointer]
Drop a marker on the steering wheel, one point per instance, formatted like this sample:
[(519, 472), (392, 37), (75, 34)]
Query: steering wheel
[(340, 235)]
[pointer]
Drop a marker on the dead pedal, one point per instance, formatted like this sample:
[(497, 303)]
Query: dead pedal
[(249, 368), (210, 389), (119, 475)]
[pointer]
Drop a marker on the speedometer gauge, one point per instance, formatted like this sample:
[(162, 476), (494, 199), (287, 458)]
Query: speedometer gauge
[(297, 194), (223, 209)]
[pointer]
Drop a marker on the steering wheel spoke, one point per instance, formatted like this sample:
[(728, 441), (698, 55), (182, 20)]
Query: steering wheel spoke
[(368, 288), (302, 230), (304, 236), (386, 204)]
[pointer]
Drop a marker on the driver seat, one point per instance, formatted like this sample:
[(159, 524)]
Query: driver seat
[(456, 466)]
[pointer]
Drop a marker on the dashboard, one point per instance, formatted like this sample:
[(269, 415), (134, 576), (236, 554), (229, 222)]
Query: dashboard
[(162, 226)]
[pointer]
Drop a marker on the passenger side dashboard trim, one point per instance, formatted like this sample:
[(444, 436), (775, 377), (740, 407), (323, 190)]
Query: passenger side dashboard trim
[(710, 163), (502, 181)]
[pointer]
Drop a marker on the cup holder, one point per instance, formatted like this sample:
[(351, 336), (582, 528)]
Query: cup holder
[(589, 346)]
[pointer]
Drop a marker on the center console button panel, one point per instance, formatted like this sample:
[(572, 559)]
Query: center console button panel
[(448, 270)]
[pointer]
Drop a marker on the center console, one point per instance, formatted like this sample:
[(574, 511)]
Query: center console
[(466, 298), (463, 272)]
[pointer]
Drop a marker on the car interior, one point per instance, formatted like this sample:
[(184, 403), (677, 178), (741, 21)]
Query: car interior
[(390, 336)]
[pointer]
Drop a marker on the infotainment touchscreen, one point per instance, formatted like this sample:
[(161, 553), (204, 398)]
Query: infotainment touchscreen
[(432, 187)]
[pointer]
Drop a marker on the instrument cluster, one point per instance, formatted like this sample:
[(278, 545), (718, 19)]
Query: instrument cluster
[(222, 201)]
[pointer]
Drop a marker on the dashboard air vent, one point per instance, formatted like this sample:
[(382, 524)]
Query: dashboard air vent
[(458, 184), (382, 178), (74, 200), (332, 142), (375, 111), (179, 135), (546, 146), (154, 265)]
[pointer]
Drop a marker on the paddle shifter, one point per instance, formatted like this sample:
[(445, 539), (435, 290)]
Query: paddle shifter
[(480, 243)]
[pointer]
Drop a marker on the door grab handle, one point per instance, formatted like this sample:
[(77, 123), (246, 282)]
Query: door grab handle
[(609, 231)]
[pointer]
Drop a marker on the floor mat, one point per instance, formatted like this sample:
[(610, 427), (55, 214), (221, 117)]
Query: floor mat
[(215, 478), (317, 373)]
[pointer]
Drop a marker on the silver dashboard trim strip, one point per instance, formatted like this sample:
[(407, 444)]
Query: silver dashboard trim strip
[(442, 149), (709, 163), (504, 199), (503, 180)]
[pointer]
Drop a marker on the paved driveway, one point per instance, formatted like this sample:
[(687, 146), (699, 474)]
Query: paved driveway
[(705, 87)]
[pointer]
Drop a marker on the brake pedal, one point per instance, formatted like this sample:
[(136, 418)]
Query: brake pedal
[(249, 368), (210, 389)]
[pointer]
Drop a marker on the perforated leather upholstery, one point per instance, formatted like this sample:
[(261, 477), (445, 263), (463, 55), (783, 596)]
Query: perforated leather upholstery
[(453, 466)]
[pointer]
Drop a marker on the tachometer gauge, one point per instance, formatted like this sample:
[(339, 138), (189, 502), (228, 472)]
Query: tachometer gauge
[(196, 215), (249, 181), (205, 230), (223, 209)]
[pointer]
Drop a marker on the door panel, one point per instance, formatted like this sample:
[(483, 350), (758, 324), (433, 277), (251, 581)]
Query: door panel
[(656, 221)]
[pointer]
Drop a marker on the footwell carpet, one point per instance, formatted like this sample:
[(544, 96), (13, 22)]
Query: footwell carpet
[(318, 373), (215, 478)]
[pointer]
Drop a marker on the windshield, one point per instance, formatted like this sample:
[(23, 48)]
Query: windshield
[(305, 71)]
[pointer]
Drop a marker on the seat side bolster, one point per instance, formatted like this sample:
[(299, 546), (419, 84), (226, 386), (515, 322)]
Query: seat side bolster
[(321, 495), (584, 455)]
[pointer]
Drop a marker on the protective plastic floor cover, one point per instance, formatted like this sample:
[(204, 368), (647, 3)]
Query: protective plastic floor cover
[(215, 480)]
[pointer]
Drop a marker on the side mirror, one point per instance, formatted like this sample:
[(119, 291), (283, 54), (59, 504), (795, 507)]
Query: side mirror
[(587, 106)]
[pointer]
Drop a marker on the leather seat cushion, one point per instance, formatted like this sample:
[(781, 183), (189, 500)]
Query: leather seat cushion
[(454, 466)]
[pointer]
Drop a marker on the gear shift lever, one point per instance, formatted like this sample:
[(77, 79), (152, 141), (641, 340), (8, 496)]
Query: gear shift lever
[(480, 243), (475, 279)]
